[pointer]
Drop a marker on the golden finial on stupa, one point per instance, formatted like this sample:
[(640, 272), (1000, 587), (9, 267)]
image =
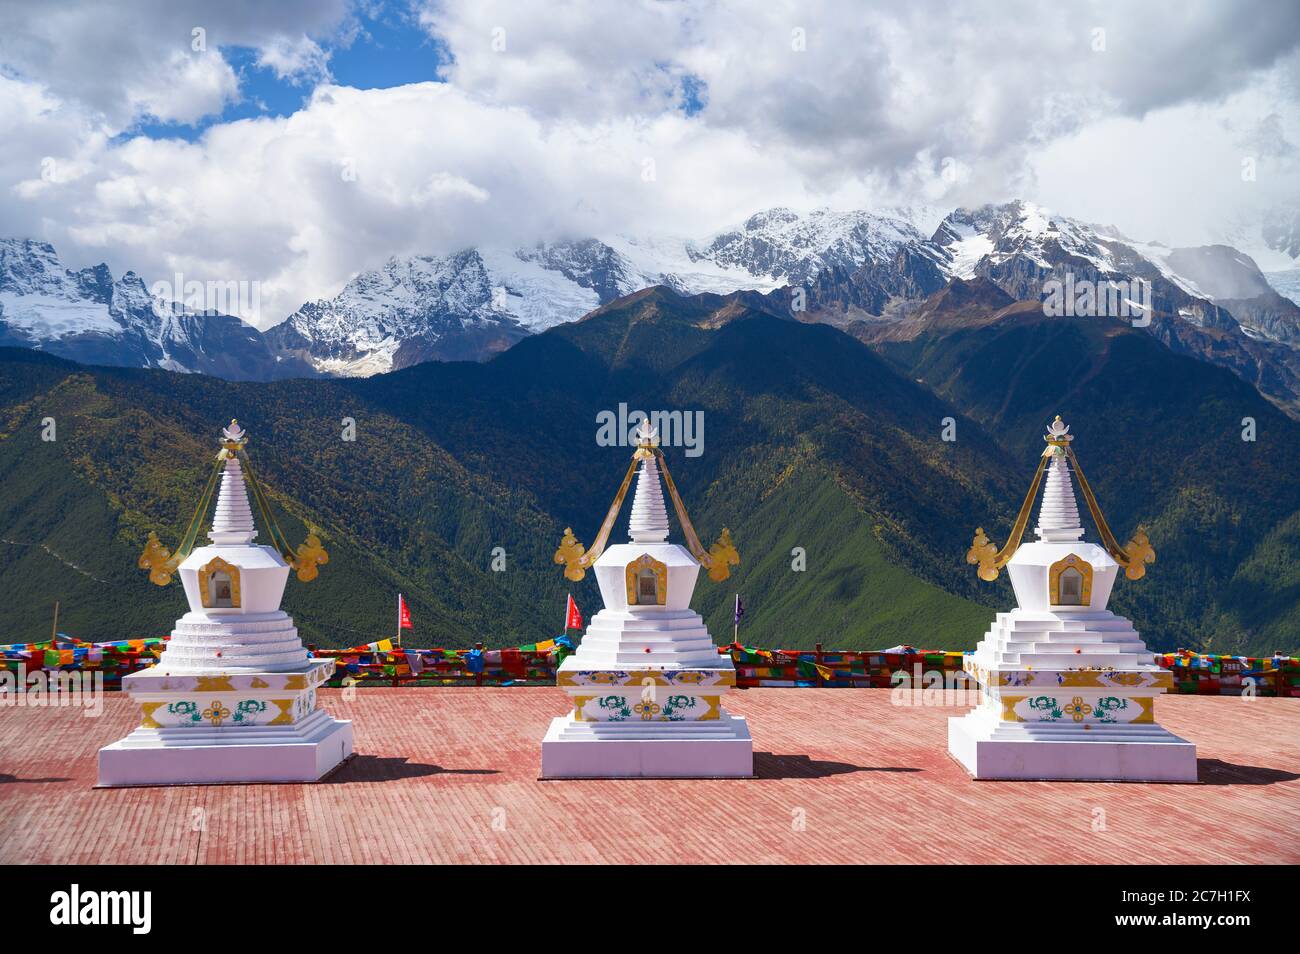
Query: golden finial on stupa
[(647, 439), (233, 439)]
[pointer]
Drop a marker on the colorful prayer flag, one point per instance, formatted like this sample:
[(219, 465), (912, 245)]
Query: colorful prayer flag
[(379, 646)]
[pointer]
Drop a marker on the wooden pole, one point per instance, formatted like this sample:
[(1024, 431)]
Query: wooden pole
[(54, 628)]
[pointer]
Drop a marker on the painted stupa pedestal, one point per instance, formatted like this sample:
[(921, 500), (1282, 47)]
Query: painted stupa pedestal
[(233, 696), (646, 683), (1068, 688)]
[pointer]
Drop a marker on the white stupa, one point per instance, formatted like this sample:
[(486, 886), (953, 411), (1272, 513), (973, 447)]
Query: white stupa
[(647, 682), (1068, 687), (233, 696)]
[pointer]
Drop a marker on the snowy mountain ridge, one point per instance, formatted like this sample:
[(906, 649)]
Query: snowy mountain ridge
[(475, 302), (89, 316)]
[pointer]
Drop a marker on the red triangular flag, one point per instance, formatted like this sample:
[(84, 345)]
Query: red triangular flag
[(572, 616), (403, 614)]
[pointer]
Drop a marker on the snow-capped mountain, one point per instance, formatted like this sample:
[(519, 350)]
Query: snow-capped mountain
[(409, 310), (89, 316), (1271, 237), (1211, 301), (854, 265), (473, 303), (1286, 283), (795, 247), (1020, 247), (479, 301), (1280, 231)]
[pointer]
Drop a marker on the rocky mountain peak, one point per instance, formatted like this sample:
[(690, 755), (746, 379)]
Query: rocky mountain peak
[(89, 316), (852, 265)]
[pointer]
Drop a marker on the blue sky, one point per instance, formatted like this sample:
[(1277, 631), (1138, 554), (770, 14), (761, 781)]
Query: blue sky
[(383, 47), (387, 49)]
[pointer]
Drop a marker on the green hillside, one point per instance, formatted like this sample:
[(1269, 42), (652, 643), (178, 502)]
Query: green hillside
[(812, 440), (1159, 436), (133, 450), (851, 594)]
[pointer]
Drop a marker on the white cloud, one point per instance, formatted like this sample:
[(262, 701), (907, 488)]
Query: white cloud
[(557, 133), (159, 58), (302, 202), (578, 60), (299, 60), (890, 89), (183, 88), (1184, 175)]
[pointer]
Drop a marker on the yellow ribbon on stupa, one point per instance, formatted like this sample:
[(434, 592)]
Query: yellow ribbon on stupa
[(1133, 557), (717, 559)]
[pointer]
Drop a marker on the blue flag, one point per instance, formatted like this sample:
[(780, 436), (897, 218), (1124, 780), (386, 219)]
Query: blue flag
[(740, 609)]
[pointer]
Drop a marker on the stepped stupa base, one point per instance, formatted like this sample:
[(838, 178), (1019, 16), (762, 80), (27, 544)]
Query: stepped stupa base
[(992, 749), (214, 727), (716, 748), (303, 752)]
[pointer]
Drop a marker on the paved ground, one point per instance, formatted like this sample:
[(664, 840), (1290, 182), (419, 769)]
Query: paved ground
[(450, 775)]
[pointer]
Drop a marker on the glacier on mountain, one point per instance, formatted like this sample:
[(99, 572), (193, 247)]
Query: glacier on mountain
[(475, 302)]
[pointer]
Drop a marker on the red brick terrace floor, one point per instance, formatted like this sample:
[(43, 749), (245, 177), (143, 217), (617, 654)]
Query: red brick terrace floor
[(450, 775)]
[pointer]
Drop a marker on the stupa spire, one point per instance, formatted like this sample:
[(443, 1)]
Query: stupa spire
[(1058, 514), (232, 519), (648, 521)]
